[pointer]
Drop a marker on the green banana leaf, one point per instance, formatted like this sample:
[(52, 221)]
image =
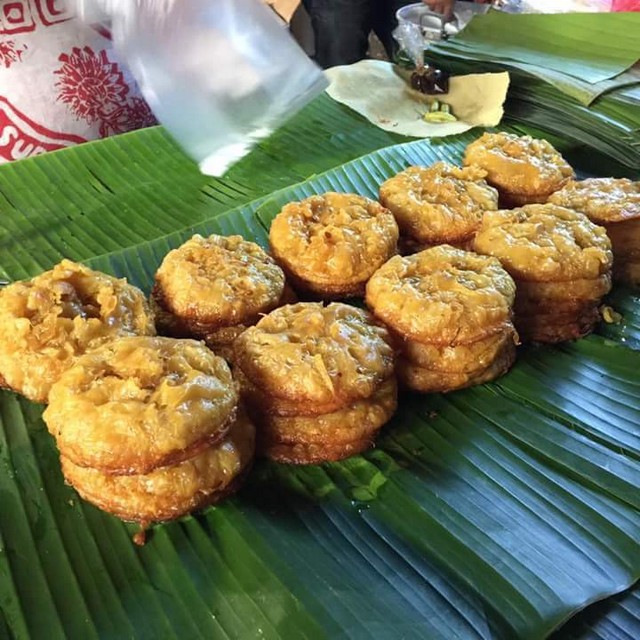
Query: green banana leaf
[(495, 512), (555, 42), (581, 90)]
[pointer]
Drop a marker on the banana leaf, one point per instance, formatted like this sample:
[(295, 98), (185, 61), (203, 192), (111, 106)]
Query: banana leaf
[(496, 512), (583, 47), (581, 90), (160, 190)]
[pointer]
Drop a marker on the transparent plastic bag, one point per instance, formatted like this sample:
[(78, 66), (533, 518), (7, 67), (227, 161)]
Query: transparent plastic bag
[(219, 74)]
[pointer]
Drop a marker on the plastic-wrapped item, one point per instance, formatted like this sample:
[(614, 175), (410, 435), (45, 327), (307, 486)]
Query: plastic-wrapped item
[(410, 38), (219, 74)]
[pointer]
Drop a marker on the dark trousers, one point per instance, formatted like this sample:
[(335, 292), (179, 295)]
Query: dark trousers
[(341, 27)]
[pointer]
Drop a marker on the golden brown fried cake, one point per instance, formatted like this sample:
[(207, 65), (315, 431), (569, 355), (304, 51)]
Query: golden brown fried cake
[(213, 283), (167, 493), (561, 263), (136, 404), (558, 295), (523, 169), (47, 322), (460, 359), (332, 436), (553, 327), (433, 381), (309, 355), (602, 200), (442, 204), (444, 296), (545, 243), (357, 421), (407, 246), (330, 245), (312, 453), (628, 272), (614, 204)]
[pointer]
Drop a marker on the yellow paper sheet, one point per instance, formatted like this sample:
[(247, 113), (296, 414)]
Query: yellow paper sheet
[(375, 90)]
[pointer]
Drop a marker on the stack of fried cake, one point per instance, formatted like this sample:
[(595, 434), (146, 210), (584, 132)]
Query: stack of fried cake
[(561, 263), (213, 288), (613, 203), (441, 204), (149, 428), (329, 245), (525, 170), (318, 381), (47, 322), (451, 312)]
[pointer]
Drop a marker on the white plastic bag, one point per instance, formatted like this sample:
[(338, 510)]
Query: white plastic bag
[(219, 74)]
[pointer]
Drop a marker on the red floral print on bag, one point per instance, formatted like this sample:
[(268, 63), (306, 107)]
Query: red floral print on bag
[(10, 52), (94, 89)]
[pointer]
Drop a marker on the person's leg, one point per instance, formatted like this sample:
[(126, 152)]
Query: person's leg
[(341, 29)]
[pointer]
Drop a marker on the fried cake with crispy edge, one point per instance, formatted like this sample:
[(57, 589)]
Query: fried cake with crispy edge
[(441, 204), (47, 322), (627, 272), (442, 296), (359, 420), (557, 327), (215, 282), (220, 340), (464, 358), (562, 296), (136, 404), (170, 492), (329, 245), (429, 381), (310, 357), (545, 243), (603, 200), (302, 453), (523, 169), (625, 239), (407, 246), (613, 203)]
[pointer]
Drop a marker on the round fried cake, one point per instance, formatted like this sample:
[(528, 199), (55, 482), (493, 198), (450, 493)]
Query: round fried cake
[(430, 381), (442, 204), (614, 204), (313, 453), (463, 358), (47, 322), (359, 420), (550, 327), (136, 404), (602, 200), (443, 296), (214, 282), (522, 168), (219, 340), (545, 242), (169, 492), (329, 245), (628, 272), (558, 296), (315, 358)]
